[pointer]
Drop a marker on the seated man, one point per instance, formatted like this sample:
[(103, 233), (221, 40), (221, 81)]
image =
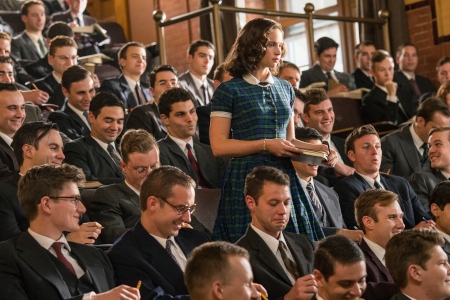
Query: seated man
[(299, 105), (439, 207), (323, 71), (220, 270), (155, 250), (379, 215), (418, 265), (363, 147), (116, 206), (339, 269), (97, 153), (363, 55), (178, 149), (291, 73), (147, 116), (281, 261), (324, 200), (78, 88), (424, 182), (406, 150), (40, 263)]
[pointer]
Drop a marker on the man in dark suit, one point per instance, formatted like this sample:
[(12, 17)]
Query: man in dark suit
[(406, 150), (179, 149), (281, 261), (201, 59), (338, 260), (379, 215), (364, 149), (97, 153), (147, 116), (424, 182), (78, 88), (439, 207), (363, 55), (128, 86), (323, 71), (410, 85), (155, 250), (54, 6), (418, 265), (62, 54), (40, 263), (324, 200), (29, 45)]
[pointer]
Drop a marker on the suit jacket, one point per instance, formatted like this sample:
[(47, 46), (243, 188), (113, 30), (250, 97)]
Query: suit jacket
[(266, 268), (28, 272), (70, 123), (380, 285), (8, 161), (446, 248), (362, 80), (423, 183), (52, 6), (147, 117), (400, 155), (119, 87), (352, 186), (211, 167), (53, 88), (40, 68), (65, 16), (204, 120), (97, 165), (330, 202), (33, 113), (400, 296), (20, 74), (315, 74), (117, 208), (188, 83), (137, 255), (406, 94), (376, 108), (23, 49)]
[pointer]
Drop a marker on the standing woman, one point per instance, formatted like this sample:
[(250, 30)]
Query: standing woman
[(257, 107)]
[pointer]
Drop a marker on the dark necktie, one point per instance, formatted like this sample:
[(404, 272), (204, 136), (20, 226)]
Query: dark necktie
[(57, 247), (195, 166), (314, 200), (169, 250), (425, 152), (114, 155), (137, 89), (329, 76), (290, 265), (415, 87), (377, 185), (205, 94)]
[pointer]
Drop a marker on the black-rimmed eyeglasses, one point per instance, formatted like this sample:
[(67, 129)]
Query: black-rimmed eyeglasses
[(73, 199), (181, 209)]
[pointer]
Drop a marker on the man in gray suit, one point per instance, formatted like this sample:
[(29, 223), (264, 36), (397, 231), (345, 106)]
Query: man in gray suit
[(418, 265), (405, 151), (323, 71), (323, 199), (201, 59), (440, 207), (424, 182)]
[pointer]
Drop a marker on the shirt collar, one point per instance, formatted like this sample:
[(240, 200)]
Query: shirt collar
[(304, 183), (369, 180), (131, 82), (270, 241), (445, 174), (197, 81), (416, 139), (181, 143), (163, 241), (376, 249), (249, 78), (47, 242), (132, 188), (408, 76), (33, 36), (383, 88), (6, 138), (57, 78), (103, 144)]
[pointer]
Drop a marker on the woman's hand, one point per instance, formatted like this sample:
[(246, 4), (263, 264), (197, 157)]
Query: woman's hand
[(282, 148)]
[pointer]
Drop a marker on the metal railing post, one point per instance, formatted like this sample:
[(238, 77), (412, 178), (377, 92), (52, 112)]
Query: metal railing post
[(218, 40), (309, 10), (384, 13), (159, 18)]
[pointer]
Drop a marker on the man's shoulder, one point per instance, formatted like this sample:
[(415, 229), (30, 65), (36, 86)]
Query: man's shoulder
[(80, 143), (18, 37), (142, 109), (184, 76), (59, 16), (395, 136), (304, 240), (397, 180)]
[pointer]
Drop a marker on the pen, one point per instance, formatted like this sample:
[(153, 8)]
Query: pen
[(263, 297), (355, 227), (138, 286), (426, 221), (388, 171), (34, 86)]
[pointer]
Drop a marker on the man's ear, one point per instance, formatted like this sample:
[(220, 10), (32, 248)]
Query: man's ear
[(152, 203), (368, 222), (414, 272), (217, 289), (318, 276), (251, 203), (351, 155), (305, 118), (165, 119)]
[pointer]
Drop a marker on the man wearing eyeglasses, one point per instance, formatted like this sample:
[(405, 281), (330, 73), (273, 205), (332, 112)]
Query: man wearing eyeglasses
[(40, 263), (155, 250)]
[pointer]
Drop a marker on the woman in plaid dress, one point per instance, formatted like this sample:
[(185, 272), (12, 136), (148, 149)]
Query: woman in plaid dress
[(257, 107)]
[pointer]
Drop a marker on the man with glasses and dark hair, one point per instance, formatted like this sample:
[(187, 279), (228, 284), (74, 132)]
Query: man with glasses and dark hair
[(155, 250)]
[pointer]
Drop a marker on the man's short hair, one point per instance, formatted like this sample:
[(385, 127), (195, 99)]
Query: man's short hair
[(171, 96), (365, 204), (208, 263), (123, 50), (10, 87), (444, 60), (363, 43), (140, 141), (255, 180), (336, 249), (288, 65), (5, 36), (45, 180), (430, 106), (160, 182), (59, 28), (6, 60), (357, 134), (440, 195), (378, 56), (30, 134), (324, 43), (27, 4), (73, 74), (199, 43), (400, 48), (158, 69), (300, 95), (218, 72), (59, 42), (307, 134), (314, 96), (103, 99), (439, 129), (411, 247)]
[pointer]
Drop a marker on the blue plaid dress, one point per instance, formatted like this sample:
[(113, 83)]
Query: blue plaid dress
[(257, 113)]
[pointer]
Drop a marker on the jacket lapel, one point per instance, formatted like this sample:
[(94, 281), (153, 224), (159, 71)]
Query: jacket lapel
[(8, 150), (100, 151), (411, 153), (176, 150), (76, 118), (30, 44), (327, 204), (375, 259), (126, 92), (132, 196), (297, 253), (364, 183)]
